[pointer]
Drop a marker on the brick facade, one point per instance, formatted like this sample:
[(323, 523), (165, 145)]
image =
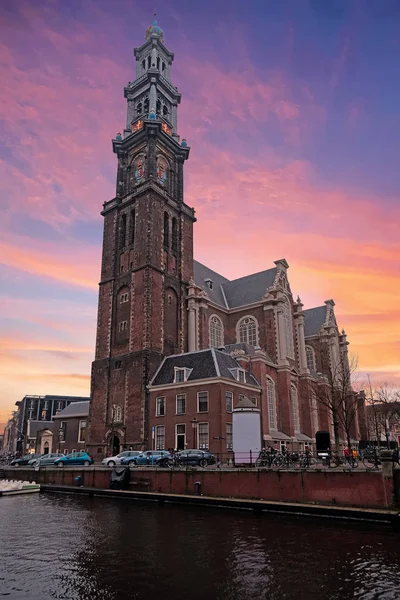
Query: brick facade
[(156, 301)]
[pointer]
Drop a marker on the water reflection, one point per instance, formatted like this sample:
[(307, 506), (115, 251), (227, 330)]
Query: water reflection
[(81, 548)]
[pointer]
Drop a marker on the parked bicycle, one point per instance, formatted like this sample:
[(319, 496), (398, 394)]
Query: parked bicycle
[(372, 459), (335, 460)]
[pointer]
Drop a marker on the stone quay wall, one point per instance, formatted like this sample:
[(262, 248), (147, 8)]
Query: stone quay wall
[(363, 489)]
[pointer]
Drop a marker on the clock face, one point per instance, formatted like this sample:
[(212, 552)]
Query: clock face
[(138, 125), (166, 129)]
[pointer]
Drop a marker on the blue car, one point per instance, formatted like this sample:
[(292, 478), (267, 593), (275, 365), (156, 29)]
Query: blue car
[(148, 457), (75, 458)]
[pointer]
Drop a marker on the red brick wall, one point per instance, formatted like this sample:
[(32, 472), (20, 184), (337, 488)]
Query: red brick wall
[(363, 489)]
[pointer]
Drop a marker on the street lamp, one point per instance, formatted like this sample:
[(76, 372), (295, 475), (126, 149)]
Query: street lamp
[(195, 424)]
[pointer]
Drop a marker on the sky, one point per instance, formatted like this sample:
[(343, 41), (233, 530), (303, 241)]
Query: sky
[(292, 113)]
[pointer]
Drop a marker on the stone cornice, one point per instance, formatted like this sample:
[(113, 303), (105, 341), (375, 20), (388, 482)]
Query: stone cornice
[(200, 382)]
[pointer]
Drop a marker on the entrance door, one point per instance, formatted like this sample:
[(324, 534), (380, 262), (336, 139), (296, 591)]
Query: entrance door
[(180, 436), (46, 448), (115, 445)]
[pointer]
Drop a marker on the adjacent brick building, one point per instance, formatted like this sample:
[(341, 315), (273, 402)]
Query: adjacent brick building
[(156, 301), (69, 430)]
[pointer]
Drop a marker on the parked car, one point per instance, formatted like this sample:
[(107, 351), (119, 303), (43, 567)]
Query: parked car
[(148, 457), (198, 458), (45, 459), (111, 461), (75, 458), (24, 460)]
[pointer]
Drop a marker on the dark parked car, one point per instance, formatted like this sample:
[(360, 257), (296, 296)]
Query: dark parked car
[(45, 459), (195, 458), (22, 462)]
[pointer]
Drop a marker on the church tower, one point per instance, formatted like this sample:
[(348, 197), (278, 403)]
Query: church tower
[(147, 258)]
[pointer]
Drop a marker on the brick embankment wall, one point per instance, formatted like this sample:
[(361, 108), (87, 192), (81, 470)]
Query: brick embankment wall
[(356, 488)]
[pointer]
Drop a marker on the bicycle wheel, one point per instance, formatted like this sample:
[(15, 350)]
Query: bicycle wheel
[(369, 462)]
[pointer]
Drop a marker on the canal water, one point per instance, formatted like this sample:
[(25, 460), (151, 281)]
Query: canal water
[(78, 548)]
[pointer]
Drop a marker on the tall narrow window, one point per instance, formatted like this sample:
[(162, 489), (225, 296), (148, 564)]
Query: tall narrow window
[(229, 401), (203, 433), (181, 404), (160, 437), (82, 431), (148, 62), (310, 359), (247, 331), (158, 62), (133, 225), (122, 231), (160, 406), (271, 399), (216, 332), (166, 230), (174, 234), (229, 436), (314, 412), (287, 317), (146, 105), (295, 409)]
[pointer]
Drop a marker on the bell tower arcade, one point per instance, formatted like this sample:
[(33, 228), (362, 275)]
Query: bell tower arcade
[(147, 258)]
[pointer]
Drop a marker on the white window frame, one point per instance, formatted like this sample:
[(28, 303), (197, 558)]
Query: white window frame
[(117, 413), (271, 404), (159, 446), (203, 446), (180, 397), (163, 398), (215, 331), (226, 401), (79, 431), (176, 434), (239, 374), (186, 373), (295, 408), (123, 326), (254, 337), (310, 352), (124, 298), (198, 402), (254, 400)]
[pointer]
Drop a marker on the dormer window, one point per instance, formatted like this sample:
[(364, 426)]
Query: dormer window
[(209, 283), (239, 374), (182, 374)]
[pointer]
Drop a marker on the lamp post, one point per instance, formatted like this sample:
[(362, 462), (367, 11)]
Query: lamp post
[(195, 424)]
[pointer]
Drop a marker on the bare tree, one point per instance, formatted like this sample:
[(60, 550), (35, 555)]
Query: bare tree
[(383, 402), (335, 391)]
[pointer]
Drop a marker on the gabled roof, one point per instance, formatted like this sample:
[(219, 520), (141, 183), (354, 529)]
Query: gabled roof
[(204, 364), (75, 409), (239, 292), (314, 318)]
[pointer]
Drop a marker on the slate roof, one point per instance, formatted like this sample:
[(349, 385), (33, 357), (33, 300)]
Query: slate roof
[(35, 426), (239, 292), (314, 318), (204, 364), (75, 409)]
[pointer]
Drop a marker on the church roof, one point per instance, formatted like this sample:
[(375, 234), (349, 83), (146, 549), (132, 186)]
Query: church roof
[(314, 318), (239, 292), (204, 364), (75, 409)]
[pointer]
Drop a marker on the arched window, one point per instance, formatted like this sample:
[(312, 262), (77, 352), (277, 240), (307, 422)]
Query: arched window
[(158, 106), (165, 110), (146, 105), (122, 231), (139, 108), (247, 331), (310, 359), (295, 409), (117, 414), (148, 62), (174, 234), (166, 230), (287, 318), (271, 400), (216, 332)]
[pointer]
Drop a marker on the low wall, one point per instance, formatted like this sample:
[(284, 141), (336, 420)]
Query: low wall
[(369, 489)]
